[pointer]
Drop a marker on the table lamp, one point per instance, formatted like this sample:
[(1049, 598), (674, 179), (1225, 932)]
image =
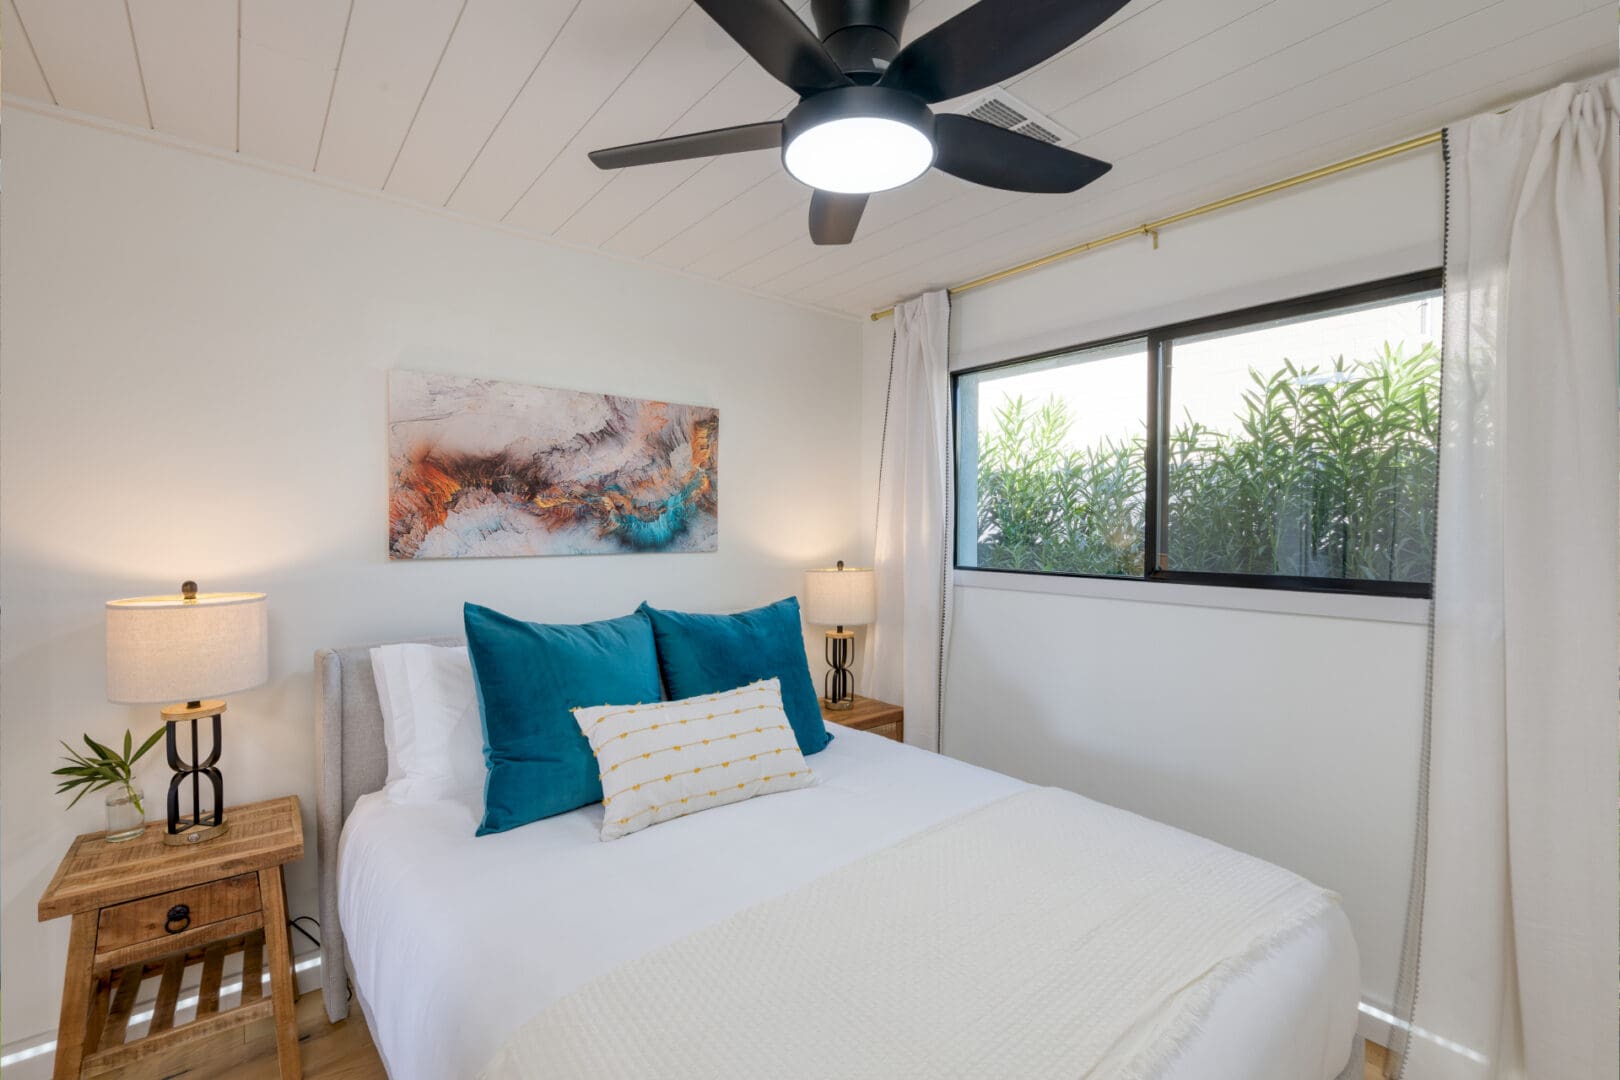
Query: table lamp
[(192, 649), (839, 596)]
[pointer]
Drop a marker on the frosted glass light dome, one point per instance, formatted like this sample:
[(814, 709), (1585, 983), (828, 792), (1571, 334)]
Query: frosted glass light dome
[(859, 154)]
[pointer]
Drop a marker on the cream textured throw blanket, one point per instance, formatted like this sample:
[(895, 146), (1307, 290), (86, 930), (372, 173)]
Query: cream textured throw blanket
[(1044, 935)]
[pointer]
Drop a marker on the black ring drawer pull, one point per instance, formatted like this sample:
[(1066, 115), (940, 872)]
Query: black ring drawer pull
[(179, 918)]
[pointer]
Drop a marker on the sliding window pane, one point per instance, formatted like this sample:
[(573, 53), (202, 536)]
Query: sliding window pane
[(1050, 466), (1306, 447)]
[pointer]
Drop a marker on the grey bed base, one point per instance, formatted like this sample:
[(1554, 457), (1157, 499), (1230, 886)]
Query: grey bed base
[(351, 760)]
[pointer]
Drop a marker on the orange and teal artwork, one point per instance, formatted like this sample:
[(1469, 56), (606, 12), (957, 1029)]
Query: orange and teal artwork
[(481, 468)]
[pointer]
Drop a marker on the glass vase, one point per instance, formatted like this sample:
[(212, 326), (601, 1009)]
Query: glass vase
[(126, 813)]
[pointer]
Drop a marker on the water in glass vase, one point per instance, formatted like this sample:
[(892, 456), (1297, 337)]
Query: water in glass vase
[(126, 813)]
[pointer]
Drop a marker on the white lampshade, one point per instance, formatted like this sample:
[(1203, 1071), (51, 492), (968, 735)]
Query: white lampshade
[(840, 596), (165, 649)]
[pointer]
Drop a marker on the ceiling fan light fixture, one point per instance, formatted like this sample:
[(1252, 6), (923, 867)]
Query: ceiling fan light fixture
[(858, 139), (863, 122), (859, 154)]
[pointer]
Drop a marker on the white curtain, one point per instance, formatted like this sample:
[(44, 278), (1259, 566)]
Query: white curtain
[(905, 648), (1515, 902)]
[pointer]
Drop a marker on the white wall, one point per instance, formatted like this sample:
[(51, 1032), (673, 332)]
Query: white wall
[(194, 364), (1293, 736)]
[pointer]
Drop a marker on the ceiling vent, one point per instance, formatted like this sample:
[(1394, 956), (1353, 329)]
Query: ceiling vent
[(997, 106)]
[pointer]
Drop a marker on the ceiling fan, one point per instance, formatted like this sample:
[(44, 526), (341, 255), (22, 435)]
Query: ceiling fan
[(863, 123)]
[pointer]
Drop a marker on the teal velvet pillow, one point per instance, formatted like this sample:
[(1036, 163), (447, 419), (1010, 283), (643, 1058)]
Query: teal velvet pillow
[(529, 675), (706, 654)]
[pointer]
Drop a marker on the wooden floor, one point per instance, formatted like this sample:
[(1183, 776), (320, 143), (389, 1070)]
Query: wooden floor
[(340, 1052), (1374, 1069), (329, 1051)]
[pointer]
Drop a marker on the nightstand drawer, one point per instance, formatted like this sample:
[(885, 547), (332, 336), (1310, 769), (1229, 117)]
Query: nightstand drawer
[(176, 912)]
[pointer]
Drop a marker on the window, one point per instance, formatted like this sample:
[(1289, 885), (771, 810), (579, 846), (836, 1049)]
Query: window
[(1290, 446), (1057, 469)]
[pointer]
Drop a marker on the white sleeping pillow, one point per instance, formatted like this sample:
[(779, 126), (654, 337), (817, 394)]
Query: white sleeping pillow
[(383, 661), (673, 758), (430, 722)]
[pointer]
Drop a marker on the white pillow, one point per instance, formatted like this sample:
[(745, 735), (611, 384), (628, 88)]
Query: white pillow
[(382, 664), (673, 758), (430, 722)]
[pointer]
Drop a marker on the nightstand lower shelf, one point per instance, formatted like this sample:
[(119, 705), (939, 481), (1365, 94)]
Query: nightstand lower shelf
[(117, 990)]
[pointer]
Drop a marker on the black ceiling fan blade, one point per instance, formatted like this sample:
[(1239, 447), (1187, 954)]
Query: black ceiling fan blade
[(992, 41), (779, 42), (834, 217), (995, 157), (731, 140)]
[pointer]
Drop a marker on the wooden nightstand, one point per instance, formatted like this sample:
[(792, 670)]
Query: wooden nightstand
[(143, 909), (870, 714)]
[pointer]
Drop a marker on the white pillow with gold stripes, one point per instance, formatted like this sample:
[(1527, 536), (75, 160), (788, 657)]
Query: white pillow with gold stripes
[(673, 758)]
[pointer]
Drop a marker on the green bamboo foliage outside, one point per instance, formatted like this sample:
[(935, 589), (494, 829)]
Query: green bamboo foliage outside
[(1329, 474), (1046, 507), (103, 767)]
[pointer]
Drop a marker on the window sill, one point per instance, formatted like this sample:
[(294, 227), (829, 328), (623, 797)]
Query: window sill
[(1389, 609)]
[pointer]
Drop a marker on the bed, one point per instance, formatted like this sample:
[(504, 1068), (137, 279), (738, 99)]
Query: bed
[(453, 944)]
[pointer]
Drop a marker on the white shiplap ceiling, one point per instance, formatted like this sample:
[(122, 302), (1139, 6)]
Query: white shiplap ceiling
[(487, 108)]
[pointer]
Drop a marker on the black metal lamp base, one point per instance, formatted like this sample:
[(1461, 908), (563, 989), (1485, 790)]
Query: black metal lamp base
[(838, 687), (199, 827)]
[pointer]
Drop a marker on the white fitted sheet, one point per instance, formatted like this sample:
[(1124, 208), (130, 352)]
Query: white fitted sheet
[(455, 941)]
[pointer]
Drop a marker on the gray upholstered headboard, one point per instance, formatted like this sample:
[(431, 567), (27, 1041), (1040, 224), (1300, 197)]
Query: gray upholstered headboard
[(351, 760)]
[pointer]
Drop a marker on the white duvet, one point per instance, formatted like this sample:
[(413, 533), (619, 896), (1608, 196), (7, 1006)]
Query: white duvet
[(457, 942)]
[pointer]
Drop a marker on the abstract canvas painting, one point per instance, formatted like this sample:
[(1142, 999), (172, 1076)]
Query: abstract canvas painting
[(481, 468)]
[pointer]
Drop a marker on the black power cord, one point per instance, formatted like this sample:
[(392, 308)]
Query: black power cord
[(310, 918), (293, 923)]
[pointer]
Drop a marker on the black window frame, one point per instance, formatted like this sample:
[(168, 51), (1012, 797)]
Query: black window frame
[(1160, 373)]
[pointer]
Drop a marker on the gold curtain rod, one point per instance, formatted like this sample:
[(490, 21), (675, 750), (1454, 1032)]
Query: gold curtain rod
[(1152, 228)]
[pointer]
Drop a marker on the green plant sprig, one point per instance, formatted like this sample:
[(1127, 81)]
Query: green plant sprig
[(105, 769)]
